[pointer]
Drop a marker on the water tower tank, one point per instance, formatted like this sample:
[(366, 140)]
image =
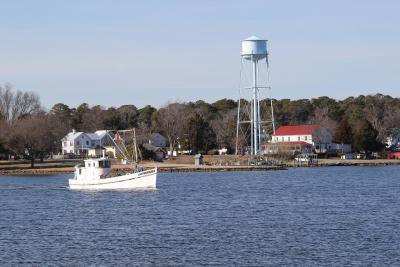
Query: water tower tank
[(254, 47)]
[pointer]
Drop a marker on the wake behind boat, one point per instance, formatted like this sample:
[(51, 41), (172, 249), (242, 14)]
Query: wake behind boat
[(97, 174)]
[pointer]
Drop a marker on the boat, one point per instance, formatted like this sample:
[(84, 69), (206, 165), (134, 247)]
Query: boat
[(96, 174)]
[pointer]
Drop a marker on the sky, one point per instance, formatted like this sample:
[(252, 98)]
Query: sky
[(117, 52)]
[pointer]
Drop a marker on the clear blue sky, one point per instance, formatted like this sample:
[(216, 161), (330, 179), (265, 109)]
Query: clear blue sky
[(148, 52)]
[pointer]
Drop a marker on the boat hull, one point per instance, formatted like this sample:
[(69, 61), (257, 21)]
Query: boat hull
[(145, 180)]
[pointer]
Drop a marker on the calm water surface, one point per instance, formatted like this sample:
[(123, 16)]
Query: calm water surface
[(335, 216)]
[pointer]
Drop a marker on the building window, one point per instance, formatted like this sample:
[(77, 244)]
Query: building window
[(78, 143), (70, 143), (87, 143), (305, 138), (298, 138), (288, 139)]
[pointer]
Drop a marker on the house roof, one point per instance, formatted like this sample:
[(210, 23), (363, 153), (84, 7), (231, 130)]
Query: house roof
[(93, 136), (296, 129), (100, 133), (72, 136)]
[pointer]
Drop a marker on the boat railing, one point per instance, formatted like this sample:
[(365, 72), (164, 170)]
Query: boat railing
[(148, 172)]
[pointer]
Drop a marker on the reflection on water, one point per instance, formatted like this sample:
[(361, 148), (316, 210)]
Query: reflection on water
[(309, 217)]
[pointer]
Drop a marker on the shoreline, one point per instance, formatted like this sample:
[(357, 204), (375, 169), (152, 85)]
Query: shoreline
[(38, 171), (169, 168)]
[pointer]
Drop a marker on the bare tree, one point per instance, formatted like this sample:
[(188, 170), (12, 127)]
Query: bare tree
[(6, 99), (322, 136), (224, 127), (171, 119), (33, 136), (14, 105), (383, 113), (4, 134), (391, 118), (92, 120), (321, 117)]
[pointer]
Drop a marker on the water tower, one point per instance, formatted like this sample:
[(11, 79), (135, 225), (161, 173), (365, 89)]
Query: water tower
[(254, 51)]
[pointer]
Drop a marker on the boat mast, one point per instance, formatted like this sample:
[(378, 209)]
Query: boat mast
[(135, 145)]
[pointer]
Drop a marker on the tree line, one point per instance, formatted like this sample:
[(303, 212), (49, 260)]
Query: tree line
[(26, 128)]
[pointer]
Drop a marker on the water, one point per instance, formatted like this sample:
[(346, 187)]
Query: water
[(335, 216)]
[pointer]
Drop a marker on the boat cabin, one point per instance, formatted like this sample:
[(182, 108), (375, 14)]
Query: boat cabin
[(93, 169), (98, 163)]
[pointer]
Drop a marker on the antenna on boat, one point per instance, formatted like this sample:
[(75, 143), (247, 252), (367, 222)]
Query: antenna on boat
[(251, 116)]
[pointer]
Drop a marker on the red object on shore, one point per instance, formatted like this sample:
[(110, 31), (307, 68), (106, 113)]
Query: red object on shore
[(393, 155)]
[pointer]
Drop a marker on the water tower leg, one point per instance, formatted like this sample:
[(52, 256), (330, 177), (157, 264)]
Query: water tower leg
[(255, 108), (252, 127)]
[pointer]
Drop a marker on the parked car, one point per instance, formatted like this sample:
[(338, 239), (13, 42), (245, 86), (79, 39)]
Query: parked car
[(365, 156)]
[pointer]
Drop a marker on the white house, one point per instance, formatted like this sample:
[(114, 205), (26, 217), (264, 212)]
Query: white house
[(76, 143), (319, 137), (312, 134), (79, 143), (315, 135)]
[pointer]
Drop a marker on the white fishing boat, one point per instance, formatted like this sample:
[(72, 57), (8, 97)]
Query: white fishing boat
[(97, 174)]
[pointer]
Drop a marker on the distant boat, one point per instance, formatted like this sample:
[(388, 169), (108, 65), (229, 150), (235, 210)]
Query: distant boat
[(96, 174)]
